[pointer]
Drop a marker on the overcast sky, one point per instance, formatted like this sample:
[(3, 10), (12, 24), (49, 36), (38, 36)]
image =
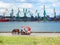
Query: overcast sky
[(30, 4)]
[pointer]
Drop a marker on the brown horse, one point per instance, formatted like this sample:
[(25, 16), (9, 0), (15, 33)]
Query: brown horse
[(15, 31)]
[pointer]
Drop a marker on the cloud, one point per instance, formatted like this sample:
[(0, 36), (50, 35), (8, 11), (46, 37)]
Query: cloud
[(22, 0), (4, 5), (2, 10), (36, 4), (56, 4), (17, 1), (46, 1), (25, 5), (15, 5)]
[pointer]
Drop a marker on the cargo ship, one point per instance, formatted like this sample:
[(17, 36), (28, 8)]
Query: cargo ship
[(4, 20)]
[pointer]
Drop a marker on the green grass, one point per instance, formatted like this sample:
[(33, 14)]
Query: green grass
[(29, 40)]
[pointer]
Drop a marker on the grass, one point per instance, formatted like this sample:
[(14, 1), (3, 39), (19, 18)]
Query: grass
[(29, 40)]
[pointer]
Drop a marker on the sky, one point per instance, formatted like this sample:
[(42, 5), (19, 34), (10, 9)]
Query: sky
[(32, 5)]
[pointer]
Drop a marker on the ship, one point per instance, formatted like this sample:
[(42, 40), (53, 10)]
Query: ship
[(4, 20)]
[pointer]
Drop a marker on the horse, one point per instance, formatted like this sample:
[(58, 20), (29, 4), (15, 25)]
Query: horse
[(15, 31)]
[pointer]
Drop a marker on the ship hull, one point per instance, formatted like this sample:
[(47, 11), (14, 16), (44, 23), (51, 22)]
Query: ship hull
[(4, 20)]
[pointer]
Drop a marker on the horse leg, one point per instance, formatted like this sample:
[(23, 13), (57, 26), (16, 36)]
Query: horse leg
[(18, 33)]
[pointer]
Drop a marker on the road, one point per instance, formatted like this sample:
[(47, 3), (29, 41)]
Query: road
[(32, 34)]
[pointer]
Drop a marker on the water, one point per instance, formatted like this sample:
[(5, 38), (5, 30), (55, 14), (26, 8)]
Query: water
[(35, 26)]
